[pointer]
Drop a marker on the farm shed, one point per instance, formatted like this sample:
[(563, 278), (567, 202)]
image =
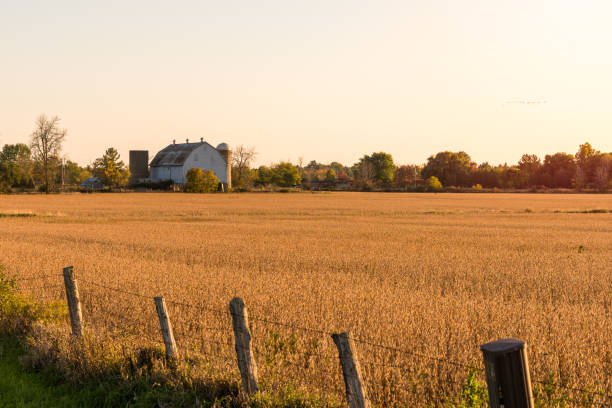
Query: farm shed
[(174, 161)]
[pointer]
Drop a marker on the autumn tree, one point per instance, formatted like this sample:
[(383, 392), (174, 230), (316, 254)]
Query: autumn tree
[(330, 175), (405, 176), (242, 159), (111, 170), (46, 143)]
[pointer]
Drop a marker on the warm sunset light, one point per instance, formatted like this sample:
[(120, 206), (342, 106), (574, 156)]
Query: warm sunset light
[(324, 80), (306, 204)]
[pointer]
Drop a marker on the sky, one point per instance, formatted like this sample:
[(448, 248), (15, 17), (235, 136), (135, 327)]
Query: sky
[(325, 80)]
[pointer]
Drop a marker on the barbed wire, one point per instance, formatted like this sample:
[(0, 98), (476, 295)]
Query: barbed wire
[(581, 390), (126, 292), (361, 340), (30, 278), (44, 287), (417, 354)]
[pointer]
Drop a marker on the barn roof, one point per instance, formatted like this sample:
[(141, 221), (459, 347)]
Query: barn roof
[(175, 154)]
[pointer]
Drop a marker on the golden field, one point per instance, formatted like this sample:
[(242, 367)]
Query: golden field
[(431, 275)]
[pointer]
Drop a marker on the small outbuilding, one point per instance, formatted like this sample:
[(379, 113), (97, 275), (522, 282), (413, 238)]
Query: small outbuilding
[(92, 183), (174, 161)]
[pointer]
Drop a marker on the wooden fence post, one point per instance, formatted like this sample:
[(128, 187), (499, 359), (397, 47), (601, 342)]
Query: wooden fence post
[(166, 328), (74, 302), (507, 371), (244, 353), (355, 389)]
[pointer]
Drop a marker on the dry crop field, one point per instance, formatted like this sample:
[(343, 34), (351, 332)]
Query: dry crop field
[(431, 276)]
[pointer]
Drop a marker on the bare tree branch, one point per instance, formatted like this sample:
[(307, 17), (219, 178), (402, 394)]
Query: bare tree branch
[(46, 143)]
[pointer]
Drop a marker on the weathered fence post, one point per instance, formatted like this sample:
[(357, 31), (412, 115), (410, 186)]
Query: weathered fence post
[(244, 353), (166, 328), (507, 371), (355, 389), (74, 302)]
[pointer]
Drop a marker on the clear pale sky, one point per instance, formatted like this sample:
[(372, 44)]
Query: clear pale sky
[(321, 79)]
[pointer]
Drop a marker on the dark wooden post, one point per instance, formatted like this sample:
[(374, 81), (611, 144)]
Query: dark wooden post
[(166, 328), (244, 353), (507, 371), (355, 388), (74, 302)]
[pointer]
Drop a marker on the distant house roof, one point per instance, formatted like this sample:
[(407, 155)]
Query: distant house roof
[(92, 182), (175, 154)]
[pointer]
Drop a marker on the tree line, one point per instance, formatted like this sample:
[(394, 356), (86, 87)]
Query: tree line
[(588, 168), (40, 165)]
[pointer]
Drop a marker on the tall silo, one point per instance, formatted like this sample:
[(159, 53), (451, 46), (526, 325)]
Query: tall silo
[(226, 152), (139, 165)]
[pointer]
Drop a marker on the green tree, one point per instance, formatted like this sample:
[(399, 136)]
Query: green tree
[(513, 177), (531, 166), (375, 168), (46, 143), (602, 171), (559, 170), (200, 181), (16, 165), (585, 165), (286, 174), (264, 176), (111, 170), (330, 175), (486, 176), (73, 173), (451, 168)]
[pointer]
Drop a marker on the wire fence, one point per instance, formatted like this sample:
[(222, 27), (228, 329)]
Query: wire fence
[(284, 359)]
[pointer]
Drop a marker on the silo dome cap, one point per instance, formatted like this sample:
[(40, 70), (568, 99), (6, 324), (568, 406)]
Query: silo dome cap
[(223, 146)]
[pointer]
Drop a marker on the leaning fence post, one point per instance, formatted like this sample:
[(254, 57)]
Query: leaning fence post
[(507, 371), (356, 395), (74, 302), (244, 353), (166, 328)]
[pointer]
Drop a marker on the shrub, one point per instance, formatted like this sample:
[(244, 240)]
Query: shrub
[(18, 312), (200, 181), (433, 184), (474, 393)]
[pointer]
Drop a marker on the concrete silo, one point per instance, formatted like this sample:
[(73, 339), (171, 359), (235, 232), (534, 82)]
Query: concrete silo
[(226, 152)]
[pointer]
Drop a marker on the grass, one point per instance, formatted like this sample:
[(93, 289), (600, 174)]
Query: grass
[(432, 275)]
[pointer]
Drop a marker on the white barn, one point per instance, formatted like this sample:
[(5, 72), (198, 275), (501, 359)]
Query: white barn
[(174, 161)]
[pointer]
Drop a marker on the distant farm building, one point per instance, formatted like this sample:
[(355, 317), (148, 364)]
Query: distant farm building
[(139, 165), (92, 183), (174, 161)]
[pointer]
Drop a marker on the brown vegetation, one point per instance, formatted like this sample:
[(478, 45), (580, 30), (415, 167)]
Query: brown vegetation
[(432, 275)]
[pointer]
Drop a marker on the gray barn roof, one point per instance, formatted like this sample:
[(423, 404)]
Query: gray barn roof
[(175, 154)]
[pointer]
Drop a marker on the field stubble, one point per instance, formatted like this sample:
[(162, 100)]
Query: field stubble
[(432, 276)]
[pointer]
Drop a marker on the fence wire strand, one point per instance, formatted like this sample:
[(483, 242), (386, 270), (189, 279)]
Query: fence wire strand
[(185, 337)]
